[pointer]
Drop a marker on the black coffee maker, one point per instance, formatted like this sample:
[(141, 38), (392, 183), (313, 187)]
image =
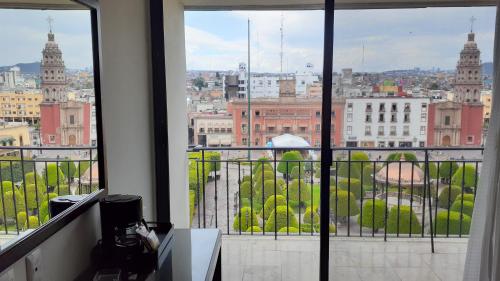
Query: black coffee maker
[(120, 216)]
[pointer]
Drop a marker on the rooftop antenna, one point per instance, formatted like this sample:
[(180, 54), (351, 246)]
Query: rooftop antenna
[(281, 50), (472, 20), (50, 20)]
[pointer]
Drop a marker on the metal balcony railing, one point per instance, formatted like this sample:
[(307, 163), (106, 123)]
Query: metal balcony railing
[(374, 192), (31, 176)]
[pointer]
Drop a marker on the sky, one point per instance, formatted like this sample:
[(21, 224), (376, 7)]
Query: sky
[(24, 33), (392, 39), (217, 40)]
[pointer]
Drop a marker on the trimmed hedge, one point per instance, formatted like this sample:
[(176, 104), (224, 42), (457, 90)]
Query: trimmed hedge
[(192, 197), (405, 212), (396, 156), (293, 191), (21, 220), (444, 169), (355, 186), (294, 174), (311, 213), (432, 169), (248, 219), (468, 207), (467, 197), (8, 198), (269, 205), (53, 175), (282, 216), (373, 220), (443, 201), (34, 223), (262, 161), (293, 155), (454, 224), (33, 195), (257, 179), (30, 179), (470, 176), (343, 209), (246, 190), (254, 229), (268, 190), (306, 228), (288, 230)]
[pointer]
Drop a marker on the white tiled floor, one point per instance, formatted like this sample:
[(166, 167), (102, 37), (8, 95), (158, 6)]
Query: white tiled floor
[(297, 258)]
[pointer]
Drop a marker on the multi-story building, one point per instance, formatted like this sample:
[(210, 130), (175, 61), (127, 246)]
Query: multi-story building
[(20, 107), (11, 78), (210, 129), (386, 122), (288, 114), (486, 97), (14, 134), (267, 85), (63, 121)]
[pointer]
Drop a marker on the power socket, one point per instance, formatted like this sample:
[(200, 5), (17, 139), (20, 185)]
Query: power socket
[(34, 268), (8, 275)]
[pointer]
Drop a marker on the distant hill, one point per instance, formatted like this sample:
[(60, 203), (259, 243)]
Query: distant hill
[(26, 68), (487, 68)]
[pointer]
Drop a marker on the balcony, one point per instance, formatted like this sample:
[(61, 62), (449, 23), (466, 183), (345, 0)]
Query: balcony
[(35, 175)]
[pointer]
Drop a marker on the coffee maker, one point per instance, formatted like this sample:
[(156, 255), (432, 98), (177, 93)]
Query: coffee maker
[(120, 216)]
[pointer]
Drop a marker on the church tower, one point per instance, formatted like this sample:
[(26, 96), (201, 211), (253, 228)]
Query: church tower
[(468, 77), (52, 72)]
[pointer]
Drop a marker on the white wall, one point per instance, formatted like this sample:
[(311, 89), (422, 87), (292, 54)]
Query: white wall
[(175, 60), (127, 100), (67, 253)]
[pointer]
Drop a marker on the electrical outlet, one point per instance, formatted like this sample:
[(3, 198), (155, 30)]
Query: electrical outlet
[(8, 275), (34, 270)]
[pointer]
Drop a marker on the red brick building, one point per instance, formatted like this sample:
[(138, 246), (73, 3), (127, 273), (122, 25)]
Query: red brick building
[(288, 114)]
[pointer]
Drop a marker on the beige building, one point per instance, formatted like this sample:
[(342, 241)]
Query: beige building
[(20, 107), (211, 129), (13, 135), (486, 101)]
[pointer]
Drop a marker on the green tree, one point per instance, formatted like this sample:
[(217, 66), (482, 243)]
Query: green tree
[(467, 197), (21, 220), (453, 226), (355, 172), (248, 218), (468, 207), (30, 179), (448, 195), (257, 166), (283, 215), (81, 168), (296, 171), (311, 216), (199, 82), (445, 168), (271, 204), (247, 191), (53, 175), (34, 223), (295, 192), (469, 179), (373, 215), (34, 195), (354, 186), (68, 168), (268, 189), (405, 213), (292, 157), (343, 203), (9, 199)]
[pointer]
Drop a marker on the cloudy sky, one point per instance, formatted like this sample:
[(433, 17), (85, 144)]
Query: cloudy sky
[(393, 39), (24, 33)]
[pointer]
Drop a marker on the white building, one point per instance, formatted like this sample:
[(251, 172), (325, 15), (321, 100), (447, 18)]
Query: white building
[(266, 85), (386, 122), (209, 129), (10, 79)]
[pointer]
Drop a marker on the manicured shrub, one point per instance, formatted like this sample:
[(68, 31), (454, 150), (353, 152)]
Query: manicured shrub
[(368, 175), (7, 186), (62, 189), (282, 216), (373, 220), (444, 169), (68, 168), (432, 169), (467, 197), (308, 228), (254, 229), (268, 190), (355, 172), (53, 175), (447, 196), (288, 230), (289, 156), (33, 222), (14, 173), (21, 220), (396, 156), (354, 186), (257, 166), (311, 214), (296, 171), (81, 168), (9, 199), (257, 179), (248, 219), (405, 212), (467, 207), (44, 210), (33, 195), (454, 223), (215, 157), (30, 179), (192, 197), (295, 192), (339, 203), (269, 206), (332, 228), (246, 190), (469, 180)]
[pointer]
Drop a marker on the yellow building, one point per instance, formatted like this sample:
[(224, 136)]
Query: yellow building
[(13, 135), (20, 107), (486, 101)]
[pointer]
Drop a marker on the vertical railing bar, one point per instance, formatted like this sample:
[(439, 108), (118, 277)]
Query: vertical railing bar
[(69, 180), (476, 180), (36, 194), (239, 197), (349, 193), (227, 195), (90, 171), (287, 198), (275, 200), (399, 199), (214, 162), (198, 190), (336, 196), (374, 190), (80, 177), (299, 199), (204, 187), (411, 194), (263, 199), (24, 187), (361, 202), (426, 176), (430, 201), (312, 211), (462, 200), (436, 198), (251, 195), (386, 198), (47, 187), (3, 200), (57, 177), (13, 195)]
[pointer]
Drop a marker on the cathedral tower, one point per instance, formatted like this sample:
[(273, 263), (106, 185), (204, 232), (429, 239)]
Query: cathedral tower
[(52, 72), (468, 77)]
